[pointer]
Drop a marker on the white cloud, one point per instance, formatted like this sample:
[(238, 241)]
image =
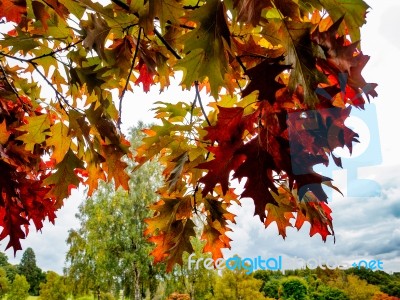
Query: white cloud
[(365, 228)]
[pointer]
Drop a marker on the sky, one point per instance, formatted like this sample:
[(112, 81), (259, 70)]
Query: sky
[(366, 228)]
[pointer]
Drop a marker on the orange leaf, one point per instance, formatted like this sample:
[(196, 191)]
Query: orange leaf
[(13, 10)]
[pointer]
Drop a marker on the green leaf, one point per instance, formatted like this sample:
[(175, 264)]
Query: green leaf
[(354, 12), (23, 42), (297, 41), (166, 10), (36, 131), (205, 47)]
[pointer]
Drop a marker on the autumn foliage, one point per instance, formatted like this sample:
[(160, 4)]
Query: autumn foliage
[(275, 68)]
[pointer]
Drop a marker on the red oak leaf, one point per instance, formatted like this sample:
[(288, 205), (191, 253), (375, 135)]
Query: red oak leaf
[(13, 10), (145, 77)]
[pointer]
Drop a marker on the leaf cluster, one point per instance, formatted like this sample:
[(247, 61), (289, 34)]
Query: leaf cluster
[(275, 69)]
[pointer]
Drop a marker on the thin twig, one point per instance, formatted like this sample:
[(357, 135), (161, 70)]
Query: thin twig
[(241, 63), (9, 83), (58, 94), (168, 46), (121, 4), (13, 57), (156, 32), (181, 25), (196, 85), (127, 79), (126, 29), (253, 56), (56, 51), (194, 198), (240, 87), (34, 65), (192, 108), (31, 60)]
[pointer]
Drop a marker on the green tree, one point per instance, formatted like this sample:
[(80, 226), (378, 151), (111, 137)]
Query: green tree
[(4, 283), (236, 284), (19, 288), (392, 288), (195, 280), (109, 252), (377, 277), (294, 288), (355, 288), (3, 260), (271, 288), (11, 272), (387, 283), (54, 288), (9, 269), (329, 293), (31, 271), (263, 275), (270, 279)]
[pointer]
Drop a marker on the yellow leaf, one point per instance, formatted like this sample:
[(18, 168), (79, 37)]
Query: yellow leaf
[(36, 131), (59, 140)]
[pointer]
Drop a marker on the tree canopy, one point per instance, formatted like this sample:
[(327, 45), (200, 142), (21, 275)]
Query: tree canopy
[(109, 252), (284, 74), (19, 288), (32, 273)]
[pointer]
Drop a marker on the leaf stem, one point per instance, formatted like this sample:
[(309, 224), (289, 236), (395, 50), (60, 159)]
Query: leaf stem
[(196, 85), (58, 94), (121, 4), (241, 63), (168, 46), (31, 60), (55, 51), (192, 108)]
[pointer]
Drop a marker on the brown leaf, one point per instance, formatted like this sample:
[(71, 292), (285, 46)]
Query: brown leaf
[(39, 9), (97, 30), (59, 8), (249, 11)]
